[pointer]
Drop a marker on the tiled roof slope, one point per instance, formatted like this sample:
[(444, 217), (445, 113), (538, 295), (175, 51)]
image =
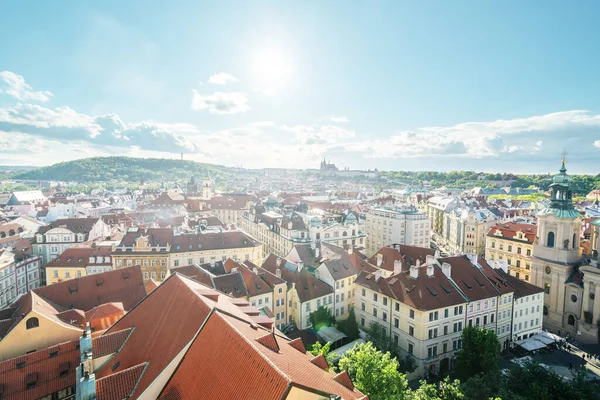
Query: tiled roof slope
[(120, 385), (469, 278), (406, 254), (254, 370), (163, 324), (510, 229), (124, 286)]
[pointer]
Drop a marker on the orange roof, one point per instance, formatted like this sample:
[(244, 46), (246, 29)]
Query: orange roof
[(119, 385), (254, 368), (164, 323), (509, 230)]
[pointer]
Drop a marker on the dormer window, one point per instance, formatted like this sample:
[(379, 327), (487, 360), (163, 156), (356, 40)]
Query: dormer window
[(92, 260), (40, 238)]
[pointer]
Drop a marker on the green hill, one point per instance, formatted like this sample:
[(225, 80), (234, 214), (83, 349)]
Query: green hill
[(135, 170)]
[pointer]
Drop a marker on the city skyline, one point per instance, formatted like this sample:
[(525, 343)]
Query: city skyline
[(392, 86)]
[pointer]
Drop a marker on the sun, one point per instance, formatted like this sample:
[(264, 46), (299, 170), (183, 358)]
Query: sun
[(272, 70)]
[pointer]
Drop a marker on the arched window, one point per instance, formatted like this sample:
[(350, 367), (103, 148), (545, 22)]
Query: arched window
[(574, 240), (32, 322), (344, 233), (550, 241), (327, 236), (571, 320)]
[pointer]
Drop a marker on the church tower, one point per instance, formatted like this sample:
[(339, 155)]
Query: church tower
[(556, 256)]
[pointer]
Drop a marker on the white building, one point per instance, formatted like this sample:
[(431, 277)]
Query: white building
[(406, 225)]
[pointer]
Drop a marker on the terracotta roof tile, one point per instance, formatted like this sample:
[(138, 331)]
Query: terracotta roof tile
[(344, 379), (298, 344), (510, 229), (269, 340), (320, 362), (104, 345), (228, 343), (120, 385)]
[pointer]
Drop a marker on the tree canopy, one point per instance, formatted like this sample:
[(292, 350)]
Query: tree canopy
[(374, 373), (479, 353)]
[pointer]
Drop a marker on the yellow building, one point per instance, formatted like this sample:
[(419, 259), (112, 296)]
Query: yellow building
[(78, 262), (512, 243)]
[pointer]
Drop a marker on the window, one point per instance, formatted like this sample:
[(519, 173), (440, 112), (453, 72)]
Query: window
[(433, 333), (571, 320), (545, 311), (384, 316), (176, 263), (432, 351), (78, 273), (411, 313), (362, 306), (32, 322), (362, 321), (477, 321), (363, 292), (485, 319), (518, 250), (55, 273), (318, 303), (153, 274), (446, 313), (444, 347), (67, 274), (146, 276), (411, 348), (550, 240), (397, 306), (384, 299), (547, 288), (485, 304), (446, 330), (574, 298), (411, 331), (396, 322), (375, 297)]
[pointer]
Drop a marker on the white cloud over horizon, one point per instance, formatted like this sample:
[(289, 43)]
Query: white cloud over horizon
[(222, 78), (339, 119), (16, 87), (35, 133), (220, 102)]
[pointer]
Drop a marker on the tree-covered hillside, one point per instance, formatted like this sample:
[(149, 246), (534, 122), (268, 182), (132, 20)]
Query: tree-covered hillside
[(581, 184), (105, 169)]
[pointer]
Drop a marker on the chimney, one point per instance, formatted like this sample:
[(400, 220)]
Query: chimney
[(350, 250), (300, 265), (290, 225), (473, 259), (317, 252), (429, 259), (446, 268), (503, 265), (379, 259), (437, 254), (397, 266), (377, 275), (255, 270), (397, 247), (414, 272), (430, 271), (278, 261), (234, 270), (278, 273)]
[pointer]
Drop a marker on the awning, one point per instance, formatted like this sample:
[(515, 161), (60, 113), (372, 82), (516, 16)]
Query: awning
[(330, 334), (530, 345), (552, 336), (542, 339)]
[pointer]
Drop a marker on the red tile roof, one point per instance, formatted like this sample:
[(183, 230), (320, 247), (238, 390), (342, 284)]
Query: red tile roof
[(110, 343), (406, 254), (254, 371), (124, 285), (79, 257), (509, 231), (120, 385), (164, 323)]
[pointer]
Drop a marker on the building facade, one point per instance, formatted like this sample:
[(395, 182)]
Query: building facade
[(513, 243), (406, 225)]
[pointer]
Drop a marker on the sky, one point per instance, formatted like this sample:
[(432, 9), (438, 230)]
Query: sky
[(495, 86)]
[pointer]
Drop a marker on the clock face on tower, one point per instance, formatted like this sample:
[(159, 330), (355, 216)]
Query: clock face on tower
[(548, 270)]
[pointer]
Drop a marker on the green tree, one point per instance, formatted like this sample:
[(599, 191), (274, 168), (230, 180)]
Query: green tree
[(374, 373), (324, 349), (377, 335), (321, 317), (480, 353), (445, 390), (349, 325)]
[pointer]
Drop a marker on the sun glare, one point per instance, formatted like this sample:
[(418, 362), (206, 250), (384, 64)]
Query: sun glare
[(272, 70)]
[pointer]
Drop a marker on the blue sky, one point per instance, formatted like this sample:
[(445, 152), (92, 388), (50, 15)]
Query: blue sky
[(394, 85)]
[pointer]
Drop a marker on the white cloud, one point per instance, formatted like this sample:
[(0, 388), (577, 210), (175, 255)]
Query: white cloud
[(221, 103), (597, 143), (222, 78), (318, 135), (339, 119), (17, 88)]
